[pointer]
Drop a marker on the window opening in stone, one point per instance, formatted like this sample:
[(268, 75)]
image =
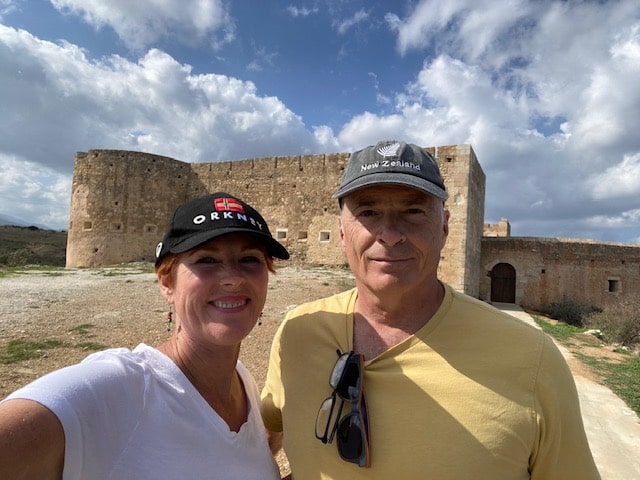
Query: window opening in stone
[(325, 235), (281, 234), (87, 226), (302, 235), (116, 227), (614, 285)]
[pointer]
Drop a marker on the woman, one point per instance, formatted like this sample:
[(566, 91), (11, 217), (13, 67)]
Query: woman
[(187, 409)]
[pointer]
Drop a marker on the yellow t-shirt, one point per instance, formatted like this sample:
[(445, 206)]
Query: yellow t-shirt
[(475, 393)]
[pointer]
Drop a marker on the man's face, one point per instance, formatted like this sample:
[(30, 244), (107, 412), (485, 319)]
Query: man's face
[(392, 237)]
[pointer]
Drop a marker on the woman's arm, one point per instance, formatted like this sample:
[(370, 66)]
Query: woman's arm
[(275, 441), (31, 441)]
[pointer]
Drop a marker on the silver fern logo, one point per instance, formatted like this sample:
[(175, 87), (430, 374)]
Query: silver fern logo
[(390, 150)]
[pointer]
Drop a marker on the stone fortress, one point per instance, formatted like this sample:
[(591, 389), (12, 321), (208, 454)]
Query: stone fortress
[(121, 202)]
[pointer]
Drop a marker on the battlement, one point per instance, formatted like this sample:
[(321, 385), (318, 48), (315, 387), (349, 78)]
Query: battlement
[(121, 202)]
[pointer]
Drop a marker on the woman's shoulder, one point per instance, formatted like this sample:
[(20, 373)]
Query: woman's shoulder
[(116, 359), (112, 372), (102, 380)]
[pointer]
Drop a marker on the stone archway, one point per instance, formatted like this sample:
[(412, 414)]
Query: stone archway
[(503, 283)]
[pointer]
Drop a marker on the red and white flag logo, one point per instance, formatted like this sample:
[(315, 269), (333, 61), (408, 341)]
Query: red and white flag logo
[(228, 205)]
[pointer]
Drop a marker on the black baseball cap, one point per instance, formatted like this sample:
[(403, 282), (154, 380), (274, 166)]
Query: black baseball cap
[(392, 162), (201, 219)]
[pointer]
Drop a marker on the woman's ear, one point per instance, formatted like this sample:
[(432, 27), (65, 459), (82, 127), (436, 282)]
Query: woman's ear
[(165, 281)]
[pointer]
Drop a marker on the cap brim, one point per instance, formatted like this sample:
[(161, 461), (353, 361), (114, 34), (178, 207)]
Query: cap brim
[(388, 178), (274, 248)]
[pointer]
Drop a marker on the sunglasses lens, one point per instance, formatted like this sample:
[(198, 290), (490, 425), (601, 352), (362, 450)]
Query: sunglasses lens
[(323, 420), (348, 385), (338, 370), (350, 438)]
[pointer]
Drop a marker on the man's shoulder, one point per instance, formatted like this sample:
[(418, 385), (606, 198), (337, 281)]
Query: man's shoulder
[(479, 311), (319, 321), (338, 302)]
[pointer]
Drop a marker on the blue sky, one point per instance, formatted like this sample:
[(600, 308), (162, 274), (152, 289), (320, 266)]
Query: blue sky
[(546, 92)]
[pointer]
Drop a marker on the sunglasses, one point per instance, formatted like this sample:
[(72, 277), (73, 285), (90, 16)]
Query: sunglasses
[(351, 430)]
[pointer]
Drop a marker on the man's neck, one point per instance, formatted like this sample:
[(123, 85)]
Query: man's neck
[(378, 327)]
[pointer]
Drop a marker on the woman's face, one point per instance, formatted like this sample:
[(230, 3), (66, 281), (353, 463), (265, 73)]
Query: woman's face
[(218, 289)]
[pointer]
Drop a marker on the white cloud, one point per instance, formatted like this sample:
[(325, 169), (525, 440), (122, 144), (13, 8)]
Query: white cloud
[(426, 21), (68, 103), (34, 194), (545, 92), (7, 7), (618, 181), (509, 65), (141, 23), (326, 140), (611, 101), (301, 11), (465, 28), (624, 223), (342, 26), (263, 59), (545, 54)]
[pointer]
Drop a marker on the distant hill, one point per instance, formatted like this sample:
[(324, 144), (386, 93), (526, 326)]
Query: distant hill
[(32, 246), (16, 222)]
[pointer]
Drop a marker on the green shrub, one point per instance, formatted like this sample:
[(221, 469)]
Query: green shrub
[(620, 323), (569, 311), (23, 256)]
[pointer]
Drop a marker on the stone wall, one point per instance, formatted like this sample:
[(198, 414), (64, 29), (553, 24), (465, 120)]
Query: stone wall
[(294, 194), (500, 229), (121, 202), (465, 183), (119, 205), (549, 270)]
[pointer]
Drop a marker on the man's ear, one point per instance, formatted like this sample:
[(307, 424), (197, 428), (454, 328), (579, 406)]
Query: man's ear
[(445, 226)]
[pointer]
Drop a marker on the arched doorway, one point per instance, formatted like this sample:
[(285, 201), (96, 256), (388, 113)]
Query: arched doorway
[(503, 283)]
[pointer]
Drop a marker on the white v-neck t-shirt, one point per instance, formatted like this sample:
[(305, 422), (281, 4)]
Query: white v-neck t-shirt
[(132, 414)]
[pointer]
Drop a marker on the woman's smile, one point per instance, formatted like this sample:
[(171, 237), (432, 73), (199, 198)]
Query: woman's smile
[(230, 304)]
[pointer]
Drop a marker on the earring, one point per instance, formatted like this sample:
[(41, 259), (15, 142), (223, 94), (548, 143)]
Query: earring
[(169, 319)]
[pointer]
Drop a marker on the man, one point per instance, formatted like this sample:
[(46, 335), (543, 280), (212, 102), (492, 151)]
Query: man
[(439, 385)]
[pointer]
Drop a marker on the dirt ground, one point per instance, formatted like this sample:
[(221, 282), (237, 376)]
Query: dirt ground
[(122, 307), (90, 309)]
